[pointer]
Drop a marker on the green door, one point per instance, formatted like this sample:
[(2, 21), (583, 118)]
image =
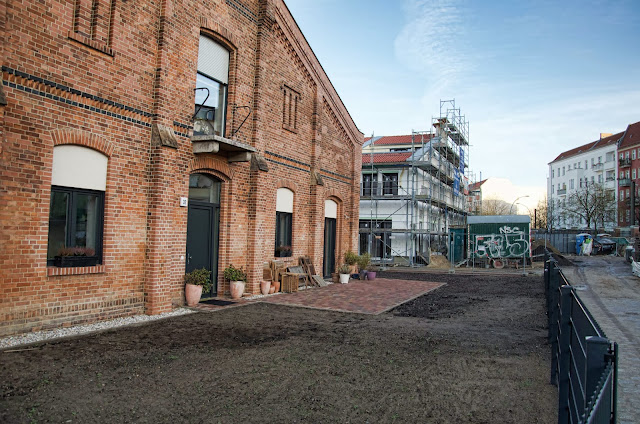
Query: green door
[(203, 224)]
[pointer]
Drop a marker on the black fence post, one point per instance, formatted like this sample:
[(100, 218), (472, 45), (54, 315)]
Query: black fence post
[(597, 350), (553, 307), (564, 342)]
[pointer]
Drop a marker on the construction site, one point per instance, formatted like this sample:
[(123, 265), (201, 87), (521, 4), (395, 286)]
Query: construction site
[(413, 190)]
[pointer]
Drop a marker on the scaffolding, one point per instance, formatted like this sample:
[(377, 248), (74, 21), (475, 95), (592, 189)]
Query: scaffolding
[(414, 201)]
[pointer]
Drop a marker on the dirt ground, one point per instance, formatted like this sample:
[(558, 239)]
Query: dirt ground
[(472, 351)]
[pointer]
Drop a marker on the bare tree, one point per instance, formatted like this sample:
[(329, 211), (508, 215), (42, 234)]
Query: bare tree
[(539, 217), (495, 206), (591, 203)]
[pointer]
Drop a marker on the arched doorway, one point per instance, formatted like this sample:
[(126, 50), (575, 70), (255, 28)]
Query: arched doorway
[(203, 226), (330, 217)]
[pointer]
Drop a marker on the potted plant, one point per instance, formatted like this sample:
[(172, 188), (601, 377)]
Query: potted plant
[(344, 271), (371, 274), (236, 278), (75, 257), (363, 263), (351, 259), (195, 282), (283, 251)]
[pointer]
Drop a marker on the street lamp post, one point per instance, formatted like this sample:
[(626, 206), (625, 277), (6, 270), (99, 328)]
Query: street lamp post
[(514, 202)]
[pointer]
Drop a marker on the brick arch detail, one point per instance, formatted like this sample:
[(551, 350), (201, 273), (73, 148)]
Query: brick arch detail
[(284, 183), (218, 33), (333, 194), (209, 163), (82, 138)]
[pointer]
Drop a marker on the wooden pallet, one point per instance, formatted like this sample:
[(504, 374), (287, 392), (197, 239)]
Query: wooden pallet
[(289, 282), (310, 270), (297, 270)]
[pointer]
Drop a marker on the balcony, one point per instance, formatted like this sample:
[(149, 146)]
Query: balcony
[(622, 163), (562, 191), (598, 167), (624, 182)]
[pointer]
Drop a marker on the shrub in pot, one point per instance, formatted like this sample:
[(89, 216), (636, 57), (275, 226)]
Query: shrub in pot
[(195, 282), (236, 278), (283, 251), (344, 271), (351, 259), (364, 261), (371, 274)]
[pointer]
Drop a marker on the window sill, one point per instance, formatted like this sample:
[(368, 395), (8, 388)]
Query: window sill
[(96, 45), (53, 271)]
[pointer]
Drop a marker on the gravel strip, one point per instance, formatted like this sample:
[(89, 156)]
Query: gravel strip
[(38, 336)]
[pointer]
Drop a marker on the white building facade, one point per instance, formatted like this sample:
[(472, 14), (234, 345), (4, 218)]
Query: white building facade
[(595, 162)]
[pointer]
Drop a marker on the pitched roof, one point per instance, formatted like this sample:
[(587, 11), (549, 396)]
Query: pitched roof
[(631, 136), (606, 141), (385, 157), (476, 186), (397, 139)]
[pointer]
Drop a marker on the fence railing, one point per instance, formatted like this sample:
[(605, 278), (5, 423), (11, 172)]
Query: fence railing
[(584, 363)]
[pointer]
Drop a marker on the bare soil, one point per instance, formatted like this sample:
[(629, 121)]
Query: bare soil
[(472, 351)]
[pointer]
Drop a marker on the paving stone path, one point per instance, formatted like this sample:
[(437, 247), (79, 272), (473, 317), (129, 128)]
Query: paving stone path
[(612, 294), (365, 297)]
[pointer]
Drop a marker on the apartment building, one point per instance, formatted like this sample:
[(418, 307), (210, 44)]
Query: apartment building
[(570, 171), (414, 189), (629, 180)]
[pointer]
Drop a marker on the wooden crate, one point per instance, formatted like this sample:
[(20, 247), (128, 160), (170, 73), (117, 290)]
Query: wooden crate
[(289, 283)]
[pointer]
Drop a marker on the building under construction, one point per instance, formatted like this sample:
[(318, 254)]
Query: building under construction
[(414, 189)]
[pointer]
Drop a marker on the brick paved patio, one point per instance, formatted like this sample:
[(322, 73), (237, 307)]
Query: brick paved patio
[(364, 297)]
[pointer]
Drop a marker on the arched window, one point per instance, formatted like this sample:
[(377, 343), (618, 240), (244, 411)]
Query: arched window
[(284, 222), (76, 213), (211, 88)]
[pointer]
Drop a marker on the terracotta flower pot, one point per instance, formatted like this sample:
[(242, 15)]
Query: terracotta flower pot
[(265, 286), (272, 289), (335, 277), (192, 294), (237, 289), (276, 284)]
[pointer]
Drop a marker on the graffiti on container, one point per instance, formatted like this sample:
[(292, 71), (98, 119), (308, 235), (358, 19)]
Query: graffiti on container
[(510, 242)]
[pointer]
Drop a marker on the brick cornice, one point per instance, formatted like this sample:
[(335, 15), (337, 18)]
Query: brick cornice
[(82, 138)]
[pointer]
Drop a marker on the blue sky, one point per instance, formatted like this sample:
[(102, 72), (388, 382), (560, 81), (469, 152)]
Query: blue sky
[(533, 78)]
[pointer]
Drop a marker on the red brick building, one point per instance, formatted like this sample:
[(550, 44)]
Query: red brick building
[(629, 176), (157, 137)]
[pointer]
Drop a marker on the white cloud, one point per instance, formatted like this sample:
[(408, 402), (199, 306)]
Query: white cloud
[(429, 42)]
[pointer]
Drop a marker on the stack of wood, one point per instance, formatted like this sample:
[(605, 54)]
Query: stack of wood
[(293, 277)]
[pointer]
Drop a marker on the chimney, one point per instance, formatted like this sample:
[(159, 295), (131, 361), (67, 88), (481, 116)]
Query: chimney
[(605, 135)]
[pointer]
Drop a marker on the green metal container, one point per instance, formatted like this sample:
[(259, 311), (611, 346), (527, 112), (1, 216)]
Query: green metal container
[(498, 236)]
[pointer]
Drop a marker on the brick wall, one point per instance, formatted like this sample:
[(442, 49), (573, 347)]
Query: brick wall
[(105, 87)]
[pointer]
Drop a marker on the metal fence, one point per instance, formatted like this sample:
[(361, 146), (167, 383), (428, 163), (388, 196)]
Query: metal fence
[(584, 363), (565, 242)]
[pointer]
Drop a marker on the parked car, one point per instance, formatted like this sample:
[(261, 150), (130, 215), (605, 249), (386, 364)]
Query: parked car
[(602, 244)]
